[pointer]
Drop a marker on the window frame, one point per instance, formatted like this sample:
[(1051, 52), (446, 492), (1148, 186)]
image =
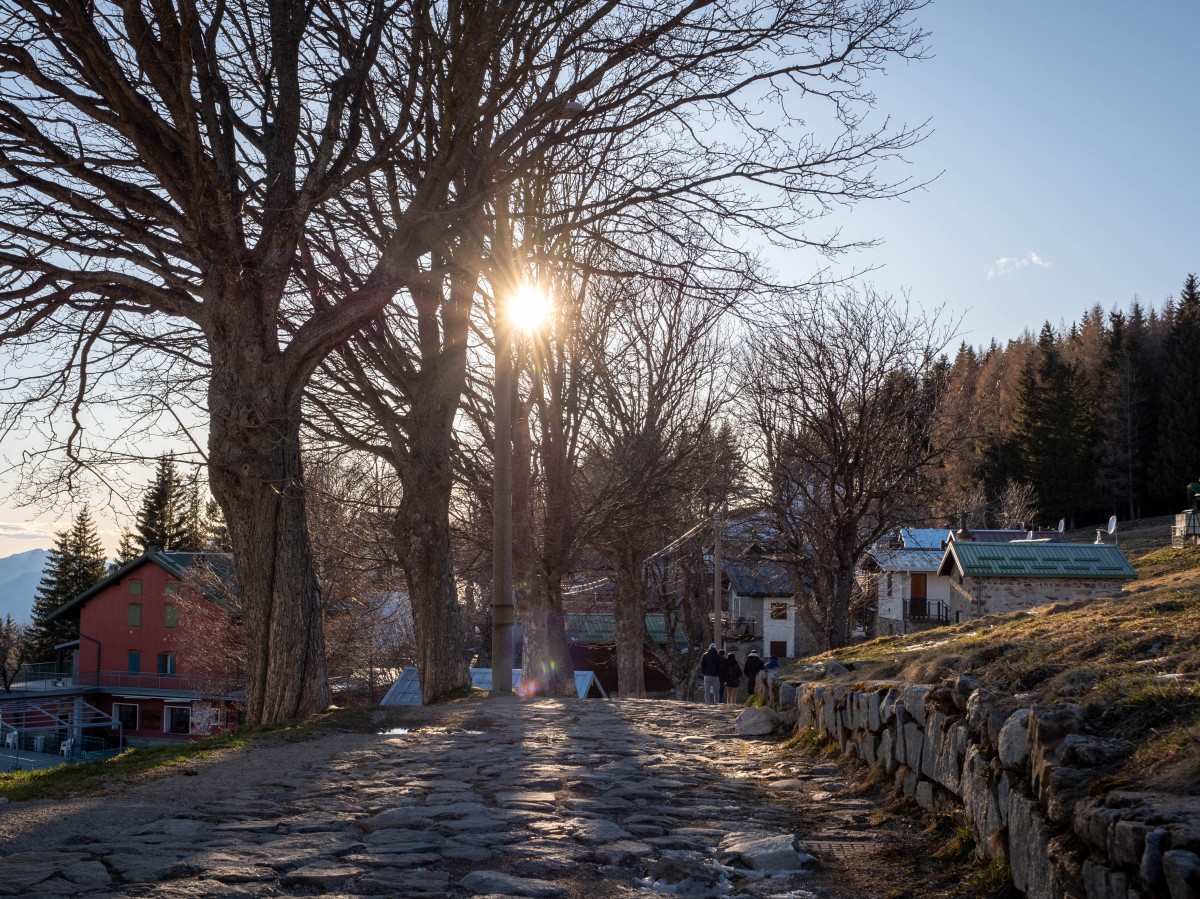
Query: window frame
[(774, 608), (170, 615), (138, 615), (171, 588), (168, 716), (167, 664), (136, 588), (133, 661), (137, 715)]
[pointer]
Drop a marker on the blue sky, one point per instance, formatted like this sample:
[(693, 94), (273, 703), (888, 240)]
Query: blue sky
[(1067, 138)]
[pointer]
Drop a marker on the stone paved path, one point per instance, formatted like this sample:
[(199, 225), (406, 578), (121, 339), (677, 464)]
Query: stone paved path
[(497, 798)]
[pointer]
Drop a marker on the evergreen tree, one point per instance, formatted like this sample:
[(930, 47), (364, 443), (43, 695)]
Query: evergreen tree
[(1178, 459), (1055, 428), (170, 517), (75, 563), (158, 519), (127, 550), (217, 538), (1120, 479), (192, 535)]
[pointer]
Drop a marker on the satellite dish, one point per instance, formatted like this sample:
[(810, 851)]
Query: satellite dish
[(1062, 525), (1112, 524)]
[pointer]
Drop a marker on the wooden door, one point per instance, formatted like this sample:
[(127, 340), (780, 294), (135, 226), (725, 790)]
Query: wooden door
[(918, 606)]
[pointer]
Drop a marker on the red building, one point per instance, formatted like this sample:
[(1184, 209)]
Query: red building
[(158, 647)]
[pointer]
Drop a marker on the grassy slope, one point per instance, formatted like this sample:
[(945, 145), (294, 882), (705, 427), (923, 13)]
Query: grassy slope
[(1132, 663), (134, 764)]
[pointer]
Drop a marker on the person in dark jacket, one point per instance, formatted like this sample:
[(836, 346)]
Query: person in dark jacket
[(733, 676), (710, 667), (754, 664)]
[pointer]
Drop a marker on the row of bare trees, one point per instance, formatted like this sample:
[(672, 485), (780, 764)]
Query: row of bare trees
[(227, 208)]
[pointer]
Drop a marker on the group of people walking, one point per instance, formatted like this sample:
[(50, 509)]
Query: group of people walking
[(723, 673)]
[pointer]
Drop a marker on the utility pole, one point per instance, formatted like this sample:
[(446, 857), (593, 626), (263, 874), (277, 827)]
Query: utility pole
[(502, 598), (718, 527)]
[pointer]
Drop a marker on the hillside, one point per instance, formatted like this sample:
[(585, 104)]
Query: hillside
[(19, 578), (1131, 663)]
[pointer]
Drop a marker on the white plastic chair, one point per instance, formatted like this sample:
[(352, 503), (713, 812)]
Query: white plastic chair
[(65, 748), (10, 740)]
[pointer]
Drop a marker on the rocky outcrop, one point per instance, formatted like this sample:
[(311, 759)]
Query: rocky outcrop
[(1029, 781)]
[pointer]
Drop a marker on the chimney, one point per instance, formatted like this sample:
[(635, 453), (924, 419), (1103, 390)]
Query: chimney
[(964, 532)]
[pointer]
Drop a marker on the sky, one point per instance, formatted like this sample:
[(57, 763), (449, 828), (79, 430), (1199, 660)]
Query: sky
[(1064, 143), (1062, 157)]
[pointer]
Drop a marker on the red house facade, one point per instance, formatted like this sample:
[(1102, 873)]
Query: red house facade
[(157, 648)]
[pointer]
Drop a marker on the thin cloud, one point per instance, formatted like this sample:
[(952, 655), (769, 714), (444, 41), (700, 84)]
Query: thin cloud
[(1006, 265), (21, 532)]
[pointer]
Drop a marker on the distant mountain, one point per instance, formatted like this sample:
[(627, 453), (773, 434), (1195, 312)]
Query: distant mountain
[(19, 577)]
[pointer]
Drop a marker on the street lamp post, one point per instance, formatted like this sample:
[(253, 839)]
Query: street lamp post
[(502, 592), (527, 309)]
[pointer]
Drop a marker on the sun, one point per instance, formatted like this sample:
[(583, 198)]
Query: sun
[(528, 308)]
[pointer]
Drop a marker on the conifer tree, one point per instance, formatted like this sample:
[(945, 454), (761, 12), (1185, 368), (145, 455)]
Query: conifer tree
[(171, 515), (127, 550), (192, 535), (159, 518), (75, 563), (216, 530), (1055, 428), (1178, 459)]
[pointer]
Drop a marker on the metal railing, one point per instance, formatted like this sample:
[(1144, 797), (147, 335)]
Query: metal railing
[(926, 610), (175, 683), (741, 627), (45, 678)]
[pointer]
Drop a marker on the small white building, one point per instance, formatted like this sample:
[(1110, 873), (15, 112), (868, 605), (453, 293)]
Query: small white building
[(900, 579), (762, 609)]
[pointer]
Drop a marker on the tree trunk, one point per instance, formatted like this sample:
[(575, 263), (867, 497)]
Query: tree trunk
[(423, 536), (256, 475), (630, 613), (546, 668), (839, 612)]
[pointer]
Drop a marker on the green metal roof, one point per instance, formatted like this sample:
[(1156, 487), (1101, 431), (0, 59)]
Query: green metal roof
[(1034, 559), (601, 627)]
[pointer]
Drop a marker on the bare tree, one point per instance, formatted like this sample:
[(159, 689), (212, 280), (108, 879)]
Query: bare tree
[(840, 393), (14, 650), (365, 600), (239, 190), (1017, 507)]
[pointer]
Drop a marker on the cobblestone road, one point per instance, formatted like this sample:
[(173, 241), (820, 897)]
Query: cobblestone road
[(500, 798)]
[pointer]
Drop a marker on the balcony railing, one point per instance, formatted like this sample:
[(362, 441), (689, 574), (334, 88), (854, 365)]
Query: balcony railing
[(45, 679), (927, 610)]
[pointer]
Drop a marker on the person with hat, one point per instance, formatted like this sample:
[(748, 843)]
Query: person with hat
[(710, 667)]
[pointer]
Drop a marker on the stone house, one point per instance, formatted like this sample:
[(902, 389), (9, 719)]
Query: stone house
[(993, 578)]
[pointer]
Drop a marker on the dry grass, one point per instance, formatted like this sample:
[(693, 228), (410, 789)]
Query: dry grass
[(1131, 662)]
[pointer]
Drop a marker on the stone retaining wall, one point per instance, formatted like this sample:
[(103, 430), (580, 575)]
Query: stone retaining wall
[(1028, 780)]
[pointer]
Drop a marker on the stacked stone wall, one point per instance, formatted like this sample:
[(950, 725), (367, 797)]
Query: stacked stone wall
[(1030, 782)]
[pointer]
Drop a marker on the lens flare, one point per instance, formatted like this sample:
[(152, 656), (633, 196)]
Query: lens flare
[(528, 308)]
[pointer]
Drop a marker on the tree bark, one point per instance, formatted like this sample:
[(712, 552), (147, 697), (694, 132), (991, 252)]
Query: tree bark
[(256, 475), (546, 667), (423, 535), (630, 613)]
